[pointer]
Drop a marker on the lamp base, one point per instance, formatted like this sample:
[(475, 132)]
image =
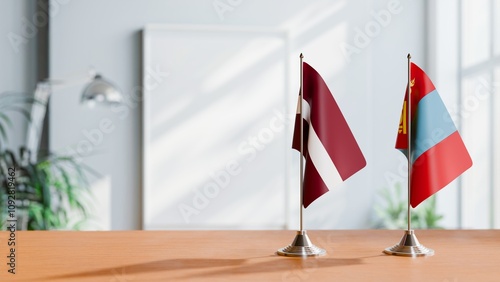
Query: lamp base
[(409, 247), (301, 247)]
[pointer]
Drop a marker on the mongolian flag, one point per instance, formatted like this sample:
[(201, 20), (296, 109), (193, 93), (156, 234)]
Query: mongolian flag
[(438, 154), (331, 153)]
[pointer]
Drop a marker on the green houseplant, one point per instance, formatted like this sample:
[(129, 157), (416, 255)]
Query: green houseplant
[(392, 212), (12, 102), (51, 192)]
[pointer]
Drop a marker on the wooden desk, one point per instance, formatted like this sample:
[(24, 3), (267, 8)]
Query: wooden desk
[(354, 255)]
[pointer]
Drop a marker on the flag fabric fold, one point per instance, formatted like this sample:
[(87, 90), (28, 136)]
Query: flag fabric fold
[(438, 153), (330, 150)]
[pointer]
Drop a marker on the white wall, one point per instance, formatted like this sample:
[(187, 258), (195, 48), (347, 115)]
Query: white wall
[(464, 74), (17, 57), (443, 68), (369, 86)]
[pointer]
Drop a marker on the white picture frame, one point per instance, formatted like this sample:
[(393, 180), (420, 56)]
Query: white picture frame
[(216, 127)]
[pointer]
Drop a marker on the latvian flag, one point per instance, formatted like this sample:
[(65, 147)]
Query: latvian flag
[(438, 153), (331, 153)]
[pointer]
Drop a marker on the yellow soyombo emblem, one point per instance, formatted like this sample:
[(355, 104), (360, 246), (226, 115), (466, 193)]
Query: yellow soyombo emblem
[(402, 120)]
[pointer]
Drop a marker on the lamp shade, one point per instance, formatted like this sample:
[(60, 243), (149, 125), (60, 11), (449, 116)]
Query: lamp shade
[(101, 90)]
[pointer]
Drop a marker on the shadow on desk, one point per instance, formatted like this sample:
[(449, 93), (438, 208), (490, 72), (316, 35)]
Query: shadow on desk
[(193, 268)]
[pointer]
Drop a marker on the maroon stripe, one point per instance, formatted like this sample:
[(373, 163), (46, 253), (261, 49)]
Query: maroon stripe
[(331, 126), (296, 135), (314, 186)]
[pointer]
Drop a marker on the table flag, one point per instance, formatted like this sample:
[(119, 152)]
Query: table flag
[(438, 154), (331, 152)]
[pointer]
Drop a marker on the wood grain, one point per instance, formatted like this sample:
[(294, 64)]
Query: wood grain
[(353, 255)]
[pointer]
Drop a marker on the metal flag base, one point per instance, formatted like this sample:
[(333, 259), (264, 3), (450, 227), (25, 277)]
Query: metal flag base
[(409, 247), (301, 247)]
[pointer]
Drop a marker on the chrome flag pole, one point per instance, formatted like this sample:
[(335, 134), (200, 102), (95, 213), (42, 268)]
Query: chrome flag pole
[(301, 245), (409, 245), (301, 169)]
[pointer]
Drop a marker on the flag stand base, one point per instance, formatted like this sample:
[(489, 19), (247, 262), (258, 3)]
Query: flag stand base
[(301, 247), (409, 247)]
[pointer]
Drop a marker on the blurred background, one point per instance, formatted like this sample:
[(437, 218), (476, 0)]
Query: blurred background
[(200, 136)]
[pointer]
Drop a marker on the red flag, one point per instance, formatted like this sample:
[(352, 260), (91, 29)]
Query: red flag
[(437, 151), (331, 153)]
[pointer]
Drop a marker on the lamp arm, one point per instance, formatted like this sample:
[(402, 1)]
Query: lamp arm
[(42, 94), (57, 84), (38, 110)]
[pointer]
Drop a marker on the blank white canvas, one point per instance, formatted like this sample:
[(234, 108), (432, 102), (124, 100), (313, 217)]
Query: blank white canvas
[(215, 128)]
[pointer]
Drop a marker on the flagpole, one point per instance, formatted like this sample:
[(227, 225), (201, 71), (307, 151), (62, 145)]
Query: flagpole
[(408, 120), (409, 246), (301, 245), (301, 143)]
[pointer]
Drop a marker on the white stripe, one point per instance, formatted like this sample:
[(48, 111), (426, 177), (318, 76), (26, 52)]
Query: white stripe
[(306, 111), (319, 156), (322, 161)]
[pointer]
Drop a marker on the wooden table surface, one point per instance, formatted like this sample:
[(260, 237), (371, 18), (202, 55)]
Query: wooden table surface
[(353, 255)]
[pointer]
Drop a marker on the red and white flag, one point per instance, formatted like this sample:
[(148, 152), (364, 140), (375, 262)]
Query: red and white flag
[(331, 153)]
